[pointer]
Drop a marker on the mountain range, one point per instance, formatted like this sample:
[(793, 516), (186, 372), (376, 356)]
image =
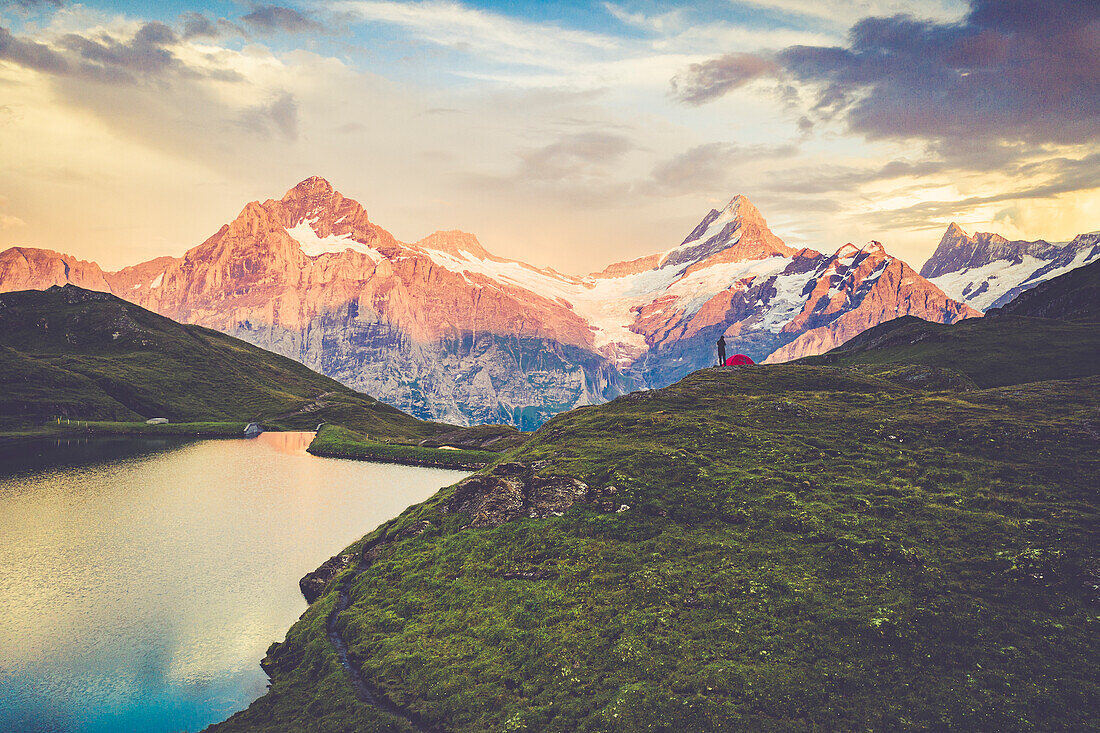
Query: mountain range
[(985, 270), (900, 535), (445, 330)]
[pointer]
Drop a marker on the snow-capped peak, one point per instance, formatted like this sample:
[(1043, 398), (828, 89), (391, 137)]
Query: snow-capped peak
[(847, 252)]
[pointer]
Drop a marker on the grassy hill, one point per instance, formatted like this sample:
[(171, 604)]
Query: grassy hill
[(91, 356), (787, 547), (992, 351), (1049, 332), (880, 546)]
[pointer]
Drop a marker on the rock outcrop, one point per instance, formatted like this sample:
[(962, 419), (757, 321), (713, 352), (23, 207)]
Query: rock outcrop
[(513, 491), (313, 584), (27, 268)]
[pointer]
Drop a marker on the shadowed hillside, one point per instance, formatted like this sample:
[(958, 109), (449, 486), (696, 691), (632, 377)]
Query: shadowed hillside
[(87, 355), (1050, 332)]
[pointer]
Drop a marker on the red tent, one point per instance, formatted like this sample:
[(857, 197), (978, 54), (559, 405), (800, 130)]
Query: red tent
[(739, 360)]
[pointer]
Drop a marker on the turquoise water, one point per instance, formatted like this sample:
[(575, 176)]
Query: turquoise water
[(141, 582)]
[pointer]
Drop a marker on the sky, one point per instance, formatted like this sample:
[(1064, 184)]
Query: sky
[(569, 134)]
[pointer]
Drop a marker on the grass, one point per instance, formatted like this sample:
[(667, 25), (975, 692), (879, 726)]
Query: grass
[(992, 351), (106, 427), (803, 548), (91, 356), (339, 442)]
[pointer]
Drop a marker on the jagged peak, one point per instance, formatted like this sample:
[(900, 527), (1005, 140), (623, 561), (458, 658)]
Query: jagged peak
[(849, 250), (954, 230), (740, 207), (313, 185)]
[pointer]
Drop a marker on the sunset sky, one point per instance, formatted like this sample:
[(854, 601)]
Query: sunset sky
[(565, 134)]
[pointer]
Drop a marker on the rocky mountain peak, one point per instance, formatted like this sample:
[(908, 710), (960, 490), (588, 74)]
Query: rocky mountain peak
[(30, 268), (740, 207), (959, 251), (312, 187), (735, 234), (871, 249)]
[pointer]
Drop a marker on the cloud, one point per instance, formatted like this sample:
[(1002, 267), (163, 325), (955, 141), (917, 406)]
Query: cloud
[(30, 54), (106, 58), (1062, 176), (1012, 84), (197, 25), (491, 35), (149, 53), (277, 18), (575, 157), (838, 179), (279, 114), (711, 79), (31, 4), (710, 168), (1010, 70), (7, 221), (848, 11)]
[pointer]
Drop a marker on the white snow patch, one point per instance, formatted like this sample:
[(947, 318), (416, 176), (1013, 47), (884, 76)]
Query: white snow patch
[(609, 304), (604, 302), (157, 281), (1002, 276), (314, 246), (787, 302), (695, 289)]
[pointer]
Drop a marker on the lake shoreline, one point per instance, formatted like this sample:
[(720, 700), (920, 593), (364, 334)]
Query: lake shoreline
[(94, 428), (174, 517), (333, 441)]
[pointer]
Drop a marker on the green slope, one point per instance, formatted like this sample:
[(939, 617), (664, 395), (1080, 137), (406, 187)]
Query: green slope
[(1049, 332), (993, 351), (893, 545), (87, 355), (804, 548)]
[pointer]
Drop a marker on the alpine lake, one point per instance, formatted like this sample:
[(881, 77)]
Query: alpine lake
[(142, 580)]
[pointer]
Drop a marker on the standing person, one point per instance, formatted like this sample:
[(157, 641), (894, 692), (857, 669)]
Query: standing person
[(721, 350)]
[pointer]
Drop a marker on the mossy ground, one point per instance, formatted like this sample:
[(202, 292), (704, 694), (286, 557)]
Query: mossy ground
[(804, 548), (339, 442)]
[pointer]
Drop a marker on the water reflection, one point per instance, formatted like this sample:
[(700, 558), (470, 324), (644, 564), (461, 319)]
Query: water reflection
[(292, 443), (140, 588), (52, 453)]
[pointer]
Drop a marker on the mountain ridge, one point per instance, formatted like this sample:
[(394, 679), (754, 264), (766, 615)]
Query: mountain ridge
[(446, 330), (986, 270)]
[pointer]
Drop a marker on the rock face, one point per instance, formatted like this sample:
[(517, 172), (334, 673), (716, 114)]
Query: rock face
[(313, 583), (856, 289), (26, 268), (986, 270), (445, 330)]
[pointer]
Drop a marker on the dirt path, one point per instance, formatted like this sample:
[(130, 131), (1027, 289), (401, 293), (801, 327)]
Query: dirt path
[(363, 691)]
